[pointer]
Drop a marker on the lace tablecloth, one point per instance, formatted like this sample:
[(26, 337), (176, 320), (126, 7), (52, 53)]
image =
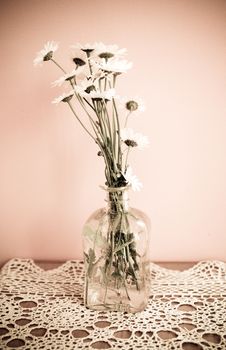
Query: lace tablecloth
[(44, 310)]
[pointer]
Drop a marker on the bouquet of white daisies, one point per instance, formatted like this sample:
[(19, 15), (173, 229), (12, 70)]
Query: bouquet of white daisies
[(92, 88)]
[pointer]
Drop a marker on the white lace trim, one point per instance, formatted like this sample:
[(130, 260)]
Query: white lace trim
[(44, 310)]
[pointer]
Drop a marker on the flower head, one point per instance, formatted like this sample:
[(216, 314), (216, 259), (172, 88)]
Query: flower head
[(65, 97), (105, 95), (108, 51), (133, 104), (67, 77), (85, 87), (134, 139), (87, 48), (46, 53), (79, 61), (115, 65), (132, 180)]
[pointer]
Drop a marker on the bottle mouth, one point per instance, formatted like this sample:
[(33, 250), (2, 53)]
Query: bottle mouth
[(117, 199), (115, 189)]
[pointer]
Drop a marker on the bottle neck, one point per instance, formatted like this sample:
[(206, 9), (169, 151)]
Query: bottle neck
[(117, 200)]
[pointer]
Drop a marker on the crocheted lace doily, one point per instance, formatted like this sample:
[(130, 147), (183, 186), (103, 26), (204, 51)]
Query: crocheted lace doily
[(44, 310)]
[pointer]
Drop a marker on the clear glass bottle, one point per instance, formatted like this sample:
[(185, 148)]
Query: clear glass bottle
[(116, 254)]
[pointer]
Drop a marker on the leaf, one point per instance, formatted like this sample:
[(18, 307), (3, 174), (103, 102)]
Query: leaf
[(94, 236), (92, 255), (122, 246), (91, 261), (87, 257)]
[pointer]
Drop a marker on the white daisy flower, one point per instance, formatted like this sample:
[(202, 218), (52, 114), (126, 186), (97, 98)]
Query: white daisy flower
[(133, 104), (65, 97), (85, 86), (109, 51), (88, 48), (132, 180), (46, 53), (68, 76), (78, 61), (134, 139), (105, 95), (79, 90), (115, 65)]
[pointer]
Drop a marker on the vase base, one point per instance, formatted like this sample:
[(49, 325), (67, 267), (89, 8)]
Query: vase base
[(116, 307), (130, 301)]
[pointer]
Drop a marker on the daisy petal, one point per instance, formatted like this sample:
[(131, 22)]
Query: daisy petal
[(132, 180)]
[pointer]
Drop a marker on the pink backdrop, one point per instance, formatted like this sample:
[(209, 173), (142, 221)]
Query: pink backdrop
[(49, 172)]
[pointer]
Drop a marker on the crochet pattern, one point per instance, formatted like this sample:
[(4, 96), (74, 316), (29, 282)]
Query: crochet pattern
[(44, 310)]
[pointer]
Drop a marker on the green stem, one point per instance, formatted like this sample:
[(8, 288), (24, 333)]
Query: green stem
[(119, 136), (127, 155), (102, 126), (89, 103), (107, 118), (58, 65), (80, 100), (84, 127), (108, 271), (105, 137), (90, 67), (127, 119), (115, 114), (110, 143)]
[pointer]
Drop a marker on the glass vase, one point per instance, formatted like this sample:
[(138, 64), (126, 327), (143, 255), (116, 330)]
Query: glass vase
[(116, 255)]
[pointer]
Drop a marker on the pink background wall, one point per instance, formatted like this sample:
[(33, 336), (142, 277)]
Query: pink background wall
[(49, 172)]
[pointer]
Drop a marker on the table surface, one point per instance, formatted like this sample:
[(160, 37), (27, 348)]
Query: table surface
[(47, 265)]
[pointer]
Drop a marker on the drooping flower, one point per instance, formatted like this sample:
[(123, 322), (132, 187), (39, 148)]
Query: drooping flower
[(68, 76), (46, 53), (134, 139), (132, 180), (132, 104), (65, 97), (115, 65), (109, 51)]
